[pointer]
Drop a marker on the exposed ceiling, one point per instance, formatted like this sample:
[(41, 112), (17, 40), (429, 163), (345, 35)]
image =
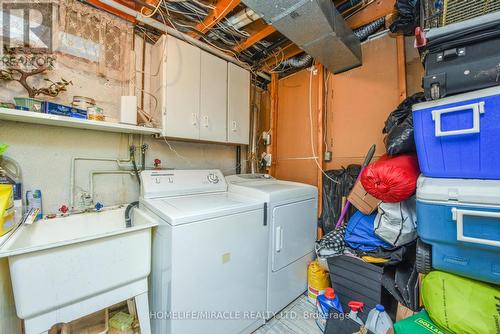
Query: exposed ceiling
[(232, 27)]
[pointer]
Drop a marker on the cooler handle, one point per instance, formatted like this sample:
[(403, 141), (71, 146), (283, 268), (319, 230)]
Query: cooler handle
[(477, 110), (458, 216)]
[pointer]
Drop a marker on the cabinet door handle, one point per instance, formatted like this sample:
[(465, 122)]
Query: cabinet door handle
[(234, 126), (207, 123), (194, 119)]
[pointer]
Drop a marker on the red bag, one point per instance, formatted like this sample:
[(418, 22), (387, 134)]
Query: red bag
[(392, 179)]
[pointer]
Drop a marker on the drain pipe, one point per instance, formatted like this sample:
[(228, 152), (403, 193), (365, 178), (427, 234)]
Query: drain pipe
[(238, 159), (173, 32)]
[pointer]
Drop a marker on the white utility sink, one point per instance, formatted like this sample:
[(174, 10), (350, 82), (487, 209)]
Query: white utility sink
[(64, 268)]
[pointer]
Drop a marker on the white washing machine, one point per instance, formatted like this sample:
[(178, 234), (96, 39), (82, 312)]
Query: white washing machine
[(292, 218), (209, 257)]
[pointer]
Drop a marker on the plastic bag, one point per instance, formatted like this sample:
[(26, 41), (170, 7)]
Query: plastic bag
[(407, 18), (461, 305), (396, 223), (393, 179), (333, 193), (399, 127), (420, 323)]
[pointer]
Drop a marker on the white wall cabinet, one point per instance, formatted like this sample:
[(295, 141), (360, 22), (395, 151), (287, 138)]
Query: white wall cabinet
[(213, 98), (199, 96), (238, 105)]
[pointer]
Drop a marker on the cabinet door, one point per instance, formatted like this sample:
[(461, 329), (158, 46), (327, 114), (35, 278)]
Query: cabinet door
[(158, 79), (213, 98), (238, 104), (183, 89)]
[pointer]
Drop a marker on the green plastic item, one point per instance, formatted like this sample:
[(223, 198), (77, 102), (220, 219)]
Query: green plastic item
[(461, 305), (3, 148), (419, 323), (29, 103), (121, 321)]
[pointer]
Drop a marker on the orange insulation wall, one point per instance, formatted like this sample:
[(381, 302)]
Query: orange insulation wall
[(358, 101)]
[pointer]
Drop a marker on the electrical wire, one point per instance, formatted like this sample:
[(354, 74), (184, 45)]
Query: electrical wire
[(313, 150), (154, 11)]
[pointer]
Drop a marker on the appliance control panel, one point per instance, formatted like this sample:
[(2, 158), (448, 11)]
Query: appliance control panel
[(165, 183)]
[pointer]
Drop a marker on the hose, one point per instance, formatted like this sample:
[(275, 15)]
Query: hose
[(299, 61), (365, 31), (128, 219), (136, 171)]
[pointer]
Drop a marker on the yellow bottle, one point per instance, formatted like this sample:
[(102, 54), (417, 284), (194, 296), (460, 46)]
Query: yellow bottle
[(318, 280), (7, 212)]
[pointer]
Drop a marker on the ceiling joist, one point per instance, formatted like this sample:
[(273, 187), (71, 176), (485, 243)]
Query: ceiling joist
[(222, 8), (373, 11), (254, 38)]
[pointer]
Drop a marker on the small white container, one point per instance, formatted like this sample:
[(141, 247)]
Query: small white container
[(378, 321), (128, 110)]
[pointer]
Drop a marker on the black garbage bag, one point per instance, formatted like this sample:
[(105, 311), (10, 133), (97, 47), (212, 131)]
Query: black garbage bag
[(407, 18), (402, 280), (333, 193), (399, 127)]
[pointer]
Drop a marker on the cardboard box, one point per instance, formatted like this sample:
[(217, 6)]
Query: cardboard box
[(362, 200)]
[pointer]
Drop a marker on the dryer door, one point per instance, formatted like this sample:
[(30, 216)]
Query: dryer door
[(294, 232)]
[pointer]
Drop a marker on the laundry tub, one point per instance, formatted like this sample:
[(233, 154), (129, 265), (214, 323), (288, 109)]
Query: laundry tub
[(457, 137), (65, 268), (459, 227)]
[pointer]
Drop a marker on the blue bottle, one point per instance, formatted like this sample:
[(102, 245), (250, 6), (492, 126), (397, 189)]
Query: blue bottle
[(324, 303)]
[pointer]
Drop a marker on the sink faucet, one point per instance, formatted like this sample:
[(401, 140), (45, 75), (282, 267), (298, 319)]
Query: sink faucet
[(128, 210)]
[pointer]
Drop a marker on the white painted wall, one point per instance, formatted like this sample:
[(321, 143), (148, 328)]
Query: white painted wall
[(45, 154)]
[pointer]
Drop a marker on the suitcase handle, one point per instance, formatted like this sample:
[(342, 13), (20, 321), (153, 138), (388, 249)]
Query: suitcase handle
[(458, 216), (477, 110)]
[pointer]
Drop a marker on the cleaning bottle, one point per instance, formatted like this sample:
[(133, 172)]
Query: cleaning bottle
[(34, 201), (378, 320), (324, 303), (355, 308)]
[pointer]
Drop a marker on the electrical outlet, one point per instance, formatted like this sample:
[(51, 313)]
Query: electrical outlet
[(328, 156), (266, 137)]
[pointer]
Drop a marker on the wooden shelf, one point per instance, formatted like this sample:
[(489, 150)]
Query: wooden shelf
[(69, 122)]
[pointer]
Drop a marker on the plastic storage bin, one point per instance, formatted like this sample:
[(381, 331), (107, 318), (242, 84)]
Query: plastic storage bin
[(459, 136), (356, 280), (459, 223)]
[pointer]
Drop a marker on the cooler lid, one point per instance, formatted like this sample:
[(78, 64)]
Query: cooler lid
[(463, 190)]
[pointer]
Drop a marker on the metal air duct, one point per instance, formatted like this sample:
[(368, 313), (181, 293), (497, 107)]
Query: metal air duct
[(316, 27)]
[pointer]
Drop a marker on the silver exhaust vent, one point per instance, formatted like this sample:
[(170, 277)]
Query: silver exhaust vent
[(316, 27)]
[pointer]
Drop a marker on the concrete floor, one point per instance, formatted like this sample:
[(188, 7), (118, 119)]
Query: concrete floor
[(296, 318)]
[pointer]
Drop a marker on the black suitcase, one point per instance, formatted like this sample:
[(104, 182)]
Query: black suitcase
[(462, 57)]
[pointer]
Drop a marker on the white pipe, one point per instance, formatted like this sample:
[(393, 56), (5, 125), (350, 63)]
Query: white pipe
[(104, 172), (171, 31), (119, 162)]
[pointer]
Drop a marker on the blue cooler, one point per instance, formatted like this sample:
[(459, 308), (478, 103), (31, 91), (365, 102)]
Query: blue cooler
[(459, 136), (459, 224)]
